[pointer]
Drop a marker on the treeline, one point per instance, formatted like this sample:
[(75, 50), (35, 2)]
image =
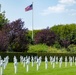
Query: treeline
[(66, 32), (58, 36), (15, 38), (62, 34)]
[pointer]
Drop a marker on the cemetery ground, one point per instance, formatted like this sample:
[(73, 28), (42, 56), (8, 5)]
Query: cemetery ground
[(69, 70)]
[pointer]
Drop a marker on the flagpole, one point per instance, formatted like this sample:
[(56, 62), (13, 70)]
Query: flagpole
[(0, 7), (32, 22)]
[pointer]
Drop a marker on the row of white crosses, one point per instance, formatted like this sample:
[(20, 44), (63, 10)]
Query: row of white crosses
[(37, 60), (26, 61), (3, 64), (72, 60), (54, 60)]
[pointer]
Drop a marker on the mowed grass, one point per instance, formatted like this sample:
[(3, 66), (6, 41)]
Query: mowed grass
[(69, 70)]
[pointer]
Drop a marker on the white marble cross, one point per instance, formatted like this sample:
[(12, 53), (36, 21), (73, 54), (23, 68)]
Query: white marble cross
[(4, 63), (56, 59), (70, 61), (51, 59), (21, 59), (66, 60), (73, 58), (37, 64), (0, 58), (40, 59), (60, 60), (75, 61), (32, 60), (15, 64), (35, 58), (46, 62), (27, 64), (24, 61), (53, 62), (1, 67)]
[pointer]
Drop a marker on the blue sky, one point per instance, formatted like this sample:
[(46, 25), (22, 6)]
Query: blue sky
[(47, 13)]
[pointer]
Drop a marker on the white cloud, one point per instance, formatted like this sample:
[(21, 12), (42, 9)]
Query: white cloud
[(54, 9), (60, 7), (67, 1)]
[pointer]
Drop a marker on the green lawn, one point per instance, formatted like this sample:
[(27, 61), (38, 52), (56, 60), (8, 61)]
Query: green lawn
[(42, 71)]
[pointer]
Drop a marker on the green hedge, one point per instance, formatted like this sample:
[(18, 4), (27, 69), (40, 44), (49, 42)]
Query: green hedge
[(56, 54), (11, 55)]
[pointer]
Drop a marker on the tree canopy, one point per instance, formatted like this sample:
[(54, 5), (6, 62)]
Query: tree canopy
[(15, 36), (45, 36), (3, 20), (65, 33)]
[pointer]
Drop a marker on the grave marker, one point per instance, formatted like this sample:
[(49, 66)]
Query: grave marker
[(15, 64), (46, 62), (1, 67), (66, 60)]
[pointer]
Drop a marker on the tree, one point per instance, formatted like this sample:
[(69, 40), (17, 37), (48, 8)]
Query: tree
[(3, 20), (45, 36), (18, 39), (3, 41), (65, 33)]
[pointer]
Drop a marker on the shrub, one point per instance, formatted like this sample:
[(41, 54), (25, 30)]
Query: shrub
[(56, 50), (72, 48), (38, 48), (57, 45)]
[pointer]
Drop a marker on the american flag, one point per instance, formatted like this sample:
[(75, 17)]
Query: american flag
[(30, 7)]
